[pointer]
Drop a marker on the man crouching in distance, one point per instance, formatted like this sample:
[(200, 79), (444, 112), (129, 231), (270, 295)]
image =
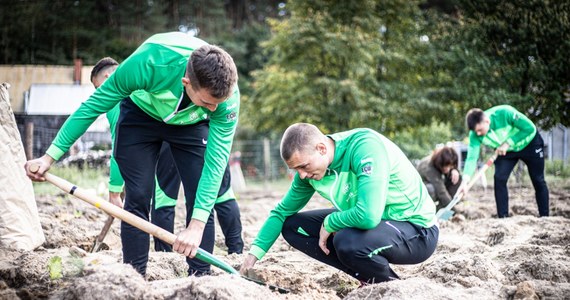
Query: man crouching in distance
[(382, 210)]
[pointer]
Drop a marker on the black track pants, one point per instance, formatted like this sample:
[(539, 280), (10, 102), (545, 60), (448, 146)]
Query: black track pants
[(533, 156), (228, 216), (169, 182), (139, 139), (363, 254), (227, 212)]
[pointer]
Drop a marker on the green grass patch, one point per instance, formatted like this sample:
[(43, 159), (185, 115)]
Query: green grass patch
[(84, 178), (55, 268), (557, 168)]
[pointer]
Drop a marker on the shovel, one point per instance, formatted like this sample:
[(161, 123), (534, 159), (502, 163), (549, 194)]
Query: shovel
[(142, 224), (446, 213), (99, 240)]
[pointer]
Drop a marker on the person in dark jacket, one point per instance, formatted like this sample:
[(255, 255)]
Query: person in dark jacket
[(440, 174)]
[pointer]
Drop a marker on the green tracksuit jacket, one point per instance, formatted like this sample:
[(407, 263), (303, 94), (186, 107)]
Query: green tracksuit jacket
[(507, 125), (116, 181), (369, 180), (151, 77)]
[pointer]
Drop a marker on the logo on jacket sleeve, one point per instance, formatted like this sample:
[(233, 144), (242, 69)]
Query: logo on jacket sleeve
[(231, 116), (367, 165)]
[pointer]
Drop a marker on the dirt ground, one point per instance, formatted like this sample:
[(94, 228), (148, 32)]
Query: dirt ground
[(478, 257)]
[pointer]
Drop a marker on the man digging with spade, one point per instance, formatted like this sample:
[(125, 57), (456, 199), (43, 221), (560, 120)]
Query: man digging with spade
[(167, 182), (514, 137), (176, 89)]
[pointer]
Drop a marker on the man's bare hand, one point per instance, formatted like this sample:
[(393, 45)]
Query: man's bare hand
[(36, 168), (323, 237), (116, 199), (188, 240), (502, 150), (247, 264)]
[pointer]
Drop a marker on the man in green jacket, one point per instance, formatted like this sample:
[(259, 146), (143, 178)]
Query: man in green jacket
[(176, 89), (100, 72), (382, 210), (167, 182), (515, 138)]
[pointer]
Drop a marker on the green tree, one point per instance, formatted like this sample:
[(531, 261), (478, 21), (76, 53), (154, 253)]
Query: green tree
[(345, 64), (322, 66), (405, 75), (58, 31), (506, 52), (244, 47)]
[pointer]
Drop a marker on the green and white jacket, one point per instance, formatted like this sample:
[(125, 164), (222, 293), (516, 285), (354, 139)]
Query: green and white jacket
[(369, 180), (151, 77), (507, 125)]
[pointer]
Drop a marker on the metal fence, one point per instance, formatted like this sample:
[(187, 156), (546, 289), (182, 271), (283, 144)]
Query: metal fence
[(37, 139), (557, 143), (260, 159)]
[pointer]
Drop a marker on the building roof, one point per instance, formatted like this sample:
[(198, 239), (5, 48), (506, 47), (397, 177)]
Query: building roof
[(60, 99), (56, 99)]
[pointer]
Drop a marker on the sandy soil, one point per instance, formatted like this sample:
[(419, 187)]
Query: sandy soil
[(478, 257)]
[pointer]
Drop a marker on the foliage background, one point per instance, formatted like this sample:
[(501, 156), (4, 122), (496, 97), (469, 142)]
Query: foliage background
[(409, 69)]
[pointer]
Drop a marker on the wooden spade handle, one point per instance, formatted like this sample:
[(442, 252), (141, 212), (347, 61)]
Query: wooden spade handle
[(481, 171), (128, 217), (107, 207)]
